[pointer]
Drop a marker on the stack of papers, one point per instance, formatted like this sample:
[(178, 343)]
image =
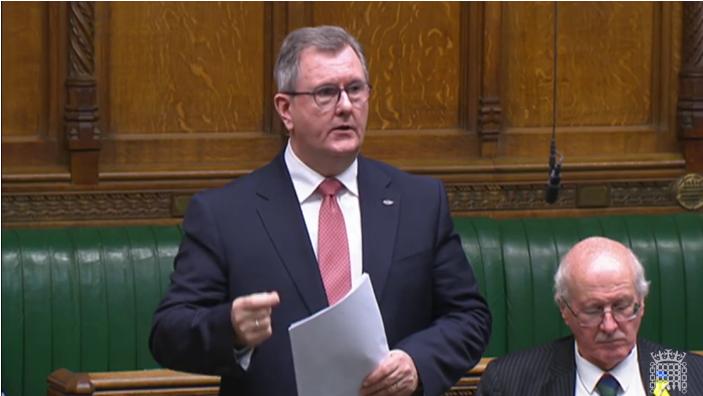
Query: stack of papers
[(335, 349)]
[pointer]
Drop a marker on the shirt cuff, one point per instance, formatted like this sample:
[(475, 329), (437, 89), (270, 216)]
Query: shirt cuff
[(243, 357)]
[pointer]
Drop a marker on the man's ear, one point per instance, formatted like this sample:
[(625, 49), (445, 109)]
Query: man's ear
[(564, 312), (283, 104)]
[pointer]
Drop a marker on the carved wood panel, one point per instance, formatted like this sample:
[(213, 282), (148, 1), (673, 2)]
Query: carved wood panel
[(413, 52), (82, 136), (31, 89), (609, 78), (153, 98), (690, 110)]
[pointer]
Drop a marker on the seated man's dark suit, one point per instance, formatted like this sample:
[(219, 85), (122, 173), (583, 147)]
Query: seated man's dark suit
[(550, 370), (249, 236)]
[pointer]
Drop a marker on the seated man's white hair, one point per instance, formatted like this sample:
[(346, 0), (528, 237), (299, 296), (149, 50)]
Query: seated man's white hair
[(591, 249)]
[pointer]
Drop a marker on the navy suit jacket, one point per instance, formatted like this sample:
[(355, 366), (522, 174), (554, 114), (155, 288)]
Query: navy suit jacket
[(249, 236), (550, 370)]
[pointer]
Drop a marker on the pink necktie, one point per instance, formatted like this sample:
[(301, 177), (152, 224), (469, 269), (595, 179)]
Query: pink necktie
[(332, 243)]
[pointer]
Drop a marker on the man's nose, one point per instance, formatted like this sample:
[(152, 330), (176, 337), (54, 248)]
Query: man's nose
[(344, 105), (609, 325)]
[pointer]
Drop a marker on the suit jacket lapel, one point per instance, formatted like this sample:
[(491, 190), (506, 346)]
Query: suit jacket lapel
[(379, 206), (562, 370), (280, 212)]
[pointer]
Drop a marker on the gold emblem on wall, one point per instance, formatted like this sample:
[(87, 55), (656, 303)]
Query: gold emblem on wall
[(687, 191)]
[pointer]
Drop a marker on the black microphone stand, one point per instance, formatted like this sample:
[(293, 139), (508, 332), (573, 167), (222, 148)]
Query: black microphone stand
[(552, 191)]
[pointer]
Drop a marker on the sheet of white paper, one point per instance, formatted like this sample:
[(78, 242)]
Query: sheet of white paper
[(335, 349)]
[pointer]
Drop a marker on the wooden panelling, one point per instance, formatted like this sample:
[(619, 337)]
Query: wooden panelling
[(183, 80), (413, 52), (25, 69), (416, 54), (210, 92), (185, 67), (463, 91), (690, 114), (487, 16), (30, 89), (605, 63), (609, 78)]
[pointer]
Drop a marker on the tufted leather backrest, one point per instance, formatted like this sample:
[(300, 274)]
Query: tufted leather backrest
[(83, 298), (80, 299)]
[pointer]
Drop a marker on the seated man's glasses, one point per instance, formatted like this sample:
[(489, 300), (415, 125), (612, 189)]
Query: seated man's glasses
[(327, 96), (594, 317)]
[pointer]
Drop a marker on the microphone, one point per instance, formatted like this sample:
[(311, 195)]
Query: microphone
[(552, 192)]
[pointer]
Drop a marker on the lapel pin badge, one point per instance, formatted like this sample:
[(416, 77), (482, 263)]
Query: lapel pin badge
[(388, 202)]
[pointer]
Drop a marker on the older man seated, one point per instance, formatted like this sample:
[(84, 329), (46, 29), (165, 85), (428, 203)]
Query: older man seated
[(600, 288)]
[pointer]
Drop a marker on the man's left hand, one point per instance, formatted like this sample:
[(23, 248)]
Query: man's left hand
[(396, 375)]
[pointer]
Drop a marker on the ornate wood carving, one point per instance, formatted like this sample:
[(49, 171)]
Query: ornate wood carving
[(87, 206), (81, 112), (99, 206), (690, 107), (490, 113), (641, 194), (469, 198), (81, 35)]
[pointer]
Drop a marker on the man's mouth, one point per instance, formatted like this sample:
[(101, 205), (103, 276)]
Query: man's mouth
[(343, 128)]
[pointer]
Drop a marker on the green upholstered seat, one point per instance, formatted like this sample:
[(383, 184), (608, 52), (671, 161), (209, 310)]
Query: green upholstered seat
[(82, 298), (515, 261)]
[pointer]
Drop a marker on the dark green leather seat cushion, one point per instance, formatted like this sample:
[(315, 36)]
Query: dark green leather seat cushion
[(82, 298)]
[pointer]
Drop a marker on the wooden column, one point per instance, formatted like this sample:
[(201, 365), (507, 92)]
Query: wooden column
[(490, 121), (81, 115), (690, 107)]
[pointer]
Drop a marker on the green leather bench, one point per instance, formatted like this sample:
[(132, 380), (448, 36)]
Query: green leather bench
[(82, 298)]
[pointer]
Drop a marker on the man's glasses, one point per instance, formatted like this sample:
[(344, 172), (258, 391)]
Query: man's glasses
[(594, 317), (327, 96)]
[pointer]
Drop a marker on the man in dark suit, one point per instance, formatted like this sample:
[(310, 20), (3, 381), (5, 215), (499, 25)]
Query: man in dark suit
[(293, 237), (600, 287)]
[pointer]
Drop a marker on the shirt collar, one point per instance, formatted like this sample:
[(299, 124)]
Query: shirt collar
[(306, 180), (589, 374)]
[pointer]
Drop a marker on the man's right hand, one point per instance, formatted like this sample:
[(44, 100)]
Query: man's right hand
[(251, 318)]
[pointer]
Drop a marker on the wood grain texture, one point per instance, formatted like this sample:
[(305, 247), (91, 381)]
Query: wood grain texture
[(669, 60), (412, 50), (185, 97), (690, 105), (160, 204), (209, 149), (24, 68), (81, 132), (605, 63), (167, 382), (186, 67), (490, 112), (32, 95)]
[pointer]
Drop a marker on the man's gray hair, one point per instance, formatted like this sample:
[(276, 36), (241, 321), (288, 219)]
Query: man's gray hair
[(331, 39), (563, 277)]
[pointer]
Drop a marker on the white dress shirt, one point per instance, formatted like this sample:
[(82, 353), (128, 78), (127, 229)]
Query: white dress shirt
[(627, 373), (305, 182)]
